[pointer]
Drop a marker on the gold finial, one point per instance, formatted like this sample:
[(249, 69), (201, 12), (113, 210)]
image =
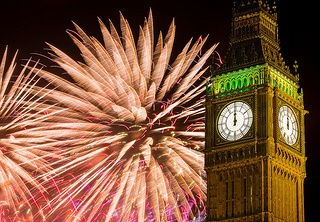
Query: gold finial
[(274, 6), (295, 66), (267, 5)]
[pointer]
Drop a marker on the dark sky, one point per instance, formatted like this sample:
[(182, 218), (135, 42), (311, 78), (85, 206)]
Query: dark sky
[(27, 25)]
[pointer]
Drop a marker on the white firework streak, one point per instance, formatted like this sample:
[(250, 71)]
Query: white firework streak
[(132, 138), (22, 162)]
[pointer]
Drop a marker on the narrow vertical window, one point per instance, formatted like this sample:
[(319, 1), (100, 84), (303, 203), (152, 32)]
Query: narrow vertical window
[(251, 194), (227, 191), (245, 196), (232, 193), (227, 198), (232, 189), (297, 201)]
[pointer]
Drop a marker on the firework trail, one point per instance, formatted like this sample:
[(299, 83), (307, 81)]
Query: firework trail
[(132, 129), (21, 162)]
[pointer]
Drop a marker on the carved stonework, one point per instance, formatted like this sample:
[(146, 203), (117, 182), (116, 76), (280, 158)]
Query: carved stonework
[(254, 40), (260, 176)]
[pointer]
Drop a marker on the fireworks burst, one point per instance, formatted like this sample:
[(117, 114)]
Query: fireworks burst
[(132, 127), (21, 162)]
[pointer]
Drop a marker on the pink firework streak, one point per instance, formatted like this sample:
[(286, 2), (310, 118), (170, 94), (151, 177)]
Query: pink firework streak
[(132, 128), (24, 166)]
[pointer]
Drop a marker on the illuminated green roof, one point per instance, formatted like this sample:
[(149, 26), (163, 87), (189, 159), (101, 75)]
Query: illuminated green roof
[(243, 79)]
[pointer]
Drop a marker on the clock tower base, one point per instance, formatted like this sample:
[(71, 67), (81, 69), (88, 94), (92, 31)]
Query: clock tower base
[(244, 186)]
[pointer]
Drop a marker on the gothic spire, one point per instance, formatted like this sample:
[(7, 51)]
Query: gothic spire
[(245, 6), (254, 38)]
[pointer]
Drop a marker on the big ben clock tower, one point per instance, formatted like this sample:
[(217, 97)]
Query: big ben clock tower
[(255, 136)]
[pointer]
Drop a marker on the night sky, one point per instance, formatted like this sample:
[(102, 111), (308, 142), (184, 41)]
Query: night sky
[(27, 25)]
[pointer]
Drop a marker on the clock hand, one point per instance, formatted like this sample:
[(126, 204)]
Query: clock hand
[(235, 115), (288, 126), (235, 119)]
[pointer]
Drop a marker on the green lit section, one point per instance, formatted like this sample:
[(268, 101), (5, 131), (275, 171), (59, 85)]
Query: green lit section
[(241, 80)]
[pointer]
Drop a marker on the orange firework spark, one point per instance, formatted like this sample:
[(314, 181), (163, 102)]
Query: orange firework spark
[(130, 129), (22, 162)]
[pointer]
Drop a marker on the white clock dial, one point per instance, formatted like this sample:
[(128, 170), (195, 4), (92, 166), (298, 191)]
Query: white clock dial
[(288, 125), (235, 120)]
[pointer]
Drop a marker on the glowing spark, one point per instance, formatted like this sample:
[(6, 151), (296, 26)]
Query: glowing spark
[(129, 99), (22, 162)]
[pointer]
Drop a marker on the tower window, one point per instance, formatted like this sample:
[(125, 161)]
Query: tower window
[(251, 193), (233, 85), (251, 81), (230, 155), (227, 198), (227, 86), (239, 84), (222, 88), (245, 82), (227, 191), (232, 189)]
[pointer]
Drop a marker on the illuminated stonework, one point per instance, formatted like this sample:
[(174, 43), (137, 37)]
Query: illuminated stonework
[(225, 83), (258, 176)]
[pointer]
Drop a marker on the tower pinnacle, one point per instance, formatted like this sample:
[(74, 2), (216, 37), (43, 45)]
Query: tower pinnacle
[(247, 5), (254, 37)]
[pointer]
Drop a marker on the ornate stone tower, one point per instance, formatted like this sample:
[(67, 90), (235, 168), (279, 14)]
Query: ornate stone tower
[(255, 136)]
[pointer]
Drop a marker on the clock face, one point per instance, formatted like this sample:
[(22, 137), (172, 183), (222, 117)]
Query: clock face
[(235, 120), (288, 125)]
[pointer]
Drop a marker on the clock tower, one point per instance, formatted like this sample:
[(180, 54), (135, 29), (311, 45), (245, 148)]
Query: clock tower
[(255, 133)]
